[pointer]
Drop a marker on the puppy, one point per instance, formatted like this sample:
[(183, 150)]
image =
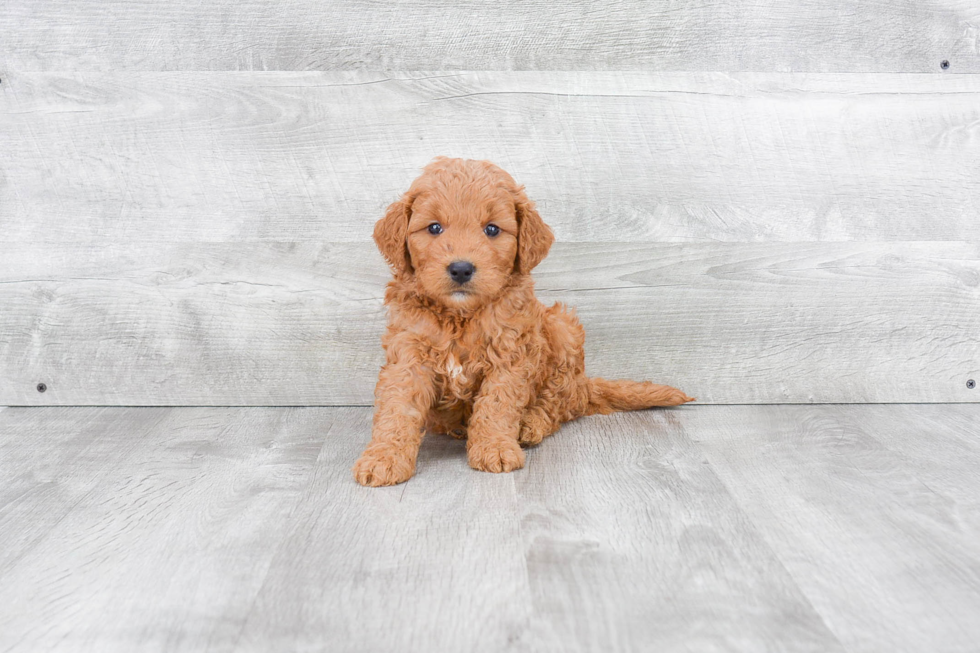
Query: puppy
[(469, 349)]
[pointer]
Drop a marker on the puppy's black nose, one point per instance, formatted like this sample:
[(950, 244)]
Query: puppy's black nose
[(461, 271)]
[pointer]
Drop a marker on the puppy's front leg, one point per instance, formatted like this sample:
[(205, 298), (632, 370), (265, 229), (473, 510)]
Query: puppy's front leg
[(493, 427), (402, 398)]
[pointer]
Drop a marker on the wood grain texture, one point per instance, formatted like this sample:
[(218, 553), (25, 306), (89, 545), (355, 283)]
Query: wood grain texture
[(708, 528), (626, 528), (436, 564), (144, 529), (52, 462), (244, 530), (867, 507), (300, 323), (609, 157), (809, 35)]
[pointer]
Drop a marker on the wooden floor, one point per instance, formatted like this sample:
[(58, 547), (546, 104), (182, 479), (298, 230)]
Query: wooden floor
[(704, 528)]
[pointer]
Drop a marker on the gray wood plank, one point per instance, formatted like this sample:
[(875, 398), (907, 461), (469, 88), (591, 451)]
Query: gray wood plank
[(808, 35), (436, 564), (783, 528), (244, 530), (300, 323), (633, 544), (872, 511), (52, 461), (941, 443), (608, 156), (193, 324), (171, 529)]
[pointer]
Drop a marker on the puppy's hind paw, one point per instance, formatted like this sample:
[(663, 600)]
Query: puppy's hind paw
[(534, 428)]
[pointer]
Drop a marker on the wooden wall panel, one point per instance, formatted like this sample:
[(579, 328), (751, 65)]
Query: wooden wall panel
[(203, 238), (300, 323), (696, 35), (609, 157)]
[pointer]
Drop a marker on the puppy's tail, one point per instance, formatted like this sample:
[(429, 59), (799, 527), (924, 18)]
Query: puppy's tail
[(608, 396)]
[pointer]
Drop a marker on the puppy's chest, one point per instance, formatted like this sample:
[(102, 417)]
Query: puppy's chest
[(459, 371)]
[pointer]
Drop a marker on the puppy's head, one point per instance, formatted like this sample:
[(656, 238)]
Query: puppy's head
[(462, 230)]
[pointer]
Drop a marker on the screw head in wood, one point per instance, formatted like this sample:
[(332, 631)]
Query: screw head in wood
[(944, 64), (971, 384), (41, 387)]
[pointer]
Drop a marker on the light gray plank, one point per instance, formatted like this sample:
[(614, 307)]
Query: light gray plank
[(168, 545), (941, 443), (783, 528), (633, 544), (610, 156), (52, 460), (808, 35), (435, 564), (782, 323), (872, 511), (300, 323), (444, 562), (193, 324)]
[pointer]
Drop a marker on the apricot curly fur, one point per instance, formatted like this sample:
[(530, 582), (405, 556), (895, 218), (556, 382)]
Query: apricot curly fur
[(483, 359)]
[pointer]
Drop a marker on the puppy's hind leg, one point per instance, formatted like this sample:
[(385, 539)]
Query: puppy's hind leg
[(542, 417), (536, 425), (562, 397)]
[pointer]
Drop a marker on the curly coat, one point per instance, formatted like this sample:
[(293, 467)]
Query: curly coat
[(477, 355)]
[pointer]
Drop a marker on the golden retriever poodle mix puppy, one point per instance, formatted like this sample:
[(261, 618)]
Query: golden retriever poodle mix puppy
[(470, 351)]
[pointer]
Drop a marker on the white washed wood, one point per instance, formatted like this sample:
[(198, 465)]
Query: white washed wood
[(941, 445), (608, 156), (807, 35), (192, 324), (174, 518), (633, 544), (456, 560), (51, 461), (242, 530), (872, 510), (300, 323), (436, 564)]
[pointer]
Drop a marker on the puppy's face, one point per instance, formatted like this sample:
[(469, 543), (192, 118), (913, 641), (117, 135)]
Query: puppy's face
[(462, 241), (462, 230)]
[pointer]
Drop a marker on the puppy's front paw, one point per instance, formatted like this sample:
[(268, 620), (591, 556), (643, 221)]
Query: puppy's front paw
[(383, 465), (500, 455)]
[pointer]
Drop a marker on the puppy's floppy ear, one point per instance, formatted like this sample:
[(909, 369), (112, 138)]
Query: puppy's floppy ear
[(534, 237), (390, 233)]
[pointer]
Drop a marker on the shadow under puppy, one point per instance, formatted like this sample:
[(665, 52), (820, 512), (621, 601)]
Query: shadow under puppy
[(470, 351)]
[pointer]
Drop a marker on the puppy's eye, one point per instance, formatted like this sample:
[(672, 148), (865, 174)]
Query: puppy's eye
[(435, 228), (491, 230)]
